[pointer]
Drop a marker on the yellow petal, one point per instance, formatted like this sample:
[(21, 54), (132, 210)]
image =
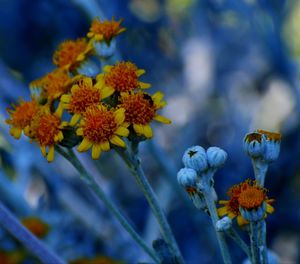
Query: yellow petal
[(43, 150), (75, 118), (96, 151), (143, 85), (222, 211), (148, 131), (117, 141), (107, 68), (119, 115), (106, 91), (88, 81), (231, 215), (65, 98), (157, 97), (74, 88), (16, 132), (60, 109), (122, 131), (59, 137), (241, 221), (84, 145), (50, 156), (162, 119), (140, 72), (79, 132), (139, 129), (99, 77), (270, 209), (105, 146), (80, 57), (223, 202)]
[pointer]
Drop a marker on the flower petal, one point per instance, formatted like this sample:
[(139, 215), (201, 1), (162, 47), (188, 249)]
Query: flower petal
[(270, 209), (241, 221), (143, 85), (122, 131), (106, 91), (222, 211), (162, 119), (119, 115), (75, 118), (84, 145), (50, 155), (96, 151), (117, 141), (105, 146)]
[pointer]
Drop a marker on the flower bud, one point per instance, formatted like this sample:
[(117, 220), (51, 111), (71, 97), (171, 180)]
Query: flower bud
[(272, 145), (254, 145), (195, 158), (216, 157), (223, 224)]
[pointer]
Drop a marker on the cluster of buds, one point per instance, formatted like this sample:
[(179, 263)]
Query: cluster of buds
[(197, 175), (96, 111)]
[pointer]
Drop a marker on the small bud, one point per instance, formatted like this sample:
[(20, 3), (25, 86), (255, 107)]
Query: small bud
[(223, 224), (216, 157), (195, 158), (187, 177), (272, 145), (254, 145)]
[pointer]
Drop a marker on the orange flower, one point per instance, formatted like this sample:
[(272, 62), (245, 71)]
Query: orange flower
[(46, 130), (99, 127), (21, 117), (140, 110), (106, 30), (83, 95), (54, 84), (71, 53), (36, 226), (247, 195), (122, 77)]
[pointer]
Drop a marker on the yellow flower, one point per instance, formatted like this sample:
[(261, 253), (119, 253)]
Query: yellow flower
[(247, 195), (21, 117), (71, 53), (140, 110), (122, 77), (46, 130), (83, 95), (99, 127), (105, 30), (36, 226), (53, 84)]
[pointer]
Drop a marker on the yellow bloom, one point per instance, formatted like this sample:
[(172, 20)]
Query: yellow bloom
[(122, 77), (83, 95), (247, 195), (46, 130), (53, 84), (99, 127), (71, 53), (36, 226), (105, 30), (140, 110), (21, 117)]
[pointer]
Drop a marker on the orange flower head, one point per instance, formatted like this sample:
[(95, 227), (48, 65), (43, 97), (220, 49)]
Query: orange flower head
[(141, 109), (122, 77), (83, 95), (36, 226), (105, 30), (252, 197), (21, 117), (99, 127), (71, 53)]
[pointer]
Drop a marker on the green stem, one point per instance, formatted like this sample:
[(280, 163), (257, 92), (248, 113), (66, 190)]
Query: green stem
[(214, 218), (135, 167), (90, 181), (239, 241), (254, 242)]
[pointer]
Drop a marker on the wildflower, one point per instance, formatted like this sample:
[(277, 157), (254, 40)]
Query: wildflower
[(21, 117), (122, 77), (195, 158), (254, 144), (54, 84), (105, 30), (83, 95), (36, 226), (71, 53), (247, 195), (272, 145), (99, 127), (46, 130), (216, 157), (141, 109)]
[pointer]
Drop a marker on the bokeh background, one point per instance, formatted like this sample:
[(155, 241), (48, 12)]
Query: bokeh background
[(226, 68)]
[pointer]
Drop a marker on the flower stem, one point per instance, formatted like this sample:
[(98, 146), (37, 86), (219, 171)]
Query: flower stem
[(135, 167), (239, 241), (214, 218), (254, 242), (90, 181), (260, 170), (262, 241), (35, 246)]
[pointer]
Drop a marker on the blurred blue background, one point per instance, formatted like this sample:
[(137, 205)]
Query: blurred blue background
[(226, 68)]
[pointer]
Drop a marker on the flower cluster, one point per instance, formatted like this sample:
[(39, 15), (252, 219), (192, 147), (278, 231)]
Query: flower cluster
[(100, 111)]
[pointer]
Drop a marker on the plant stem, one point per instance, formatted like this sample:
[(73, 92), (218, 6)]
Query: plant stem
[(254, 242), (239, 241), (35, 246), (90, 181), (214, 218), (260, 170), (135, 167), (262, 241)]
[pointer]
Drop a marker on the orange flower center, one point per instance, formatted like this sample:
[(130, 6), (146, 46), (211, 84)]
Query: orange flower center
[(252, 197), (68, 52), (46, 127), (83, 98), (122, 77), (56, 84), (23, 114), (270, 135), (99, 124), (108, 29), (139, 108)]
